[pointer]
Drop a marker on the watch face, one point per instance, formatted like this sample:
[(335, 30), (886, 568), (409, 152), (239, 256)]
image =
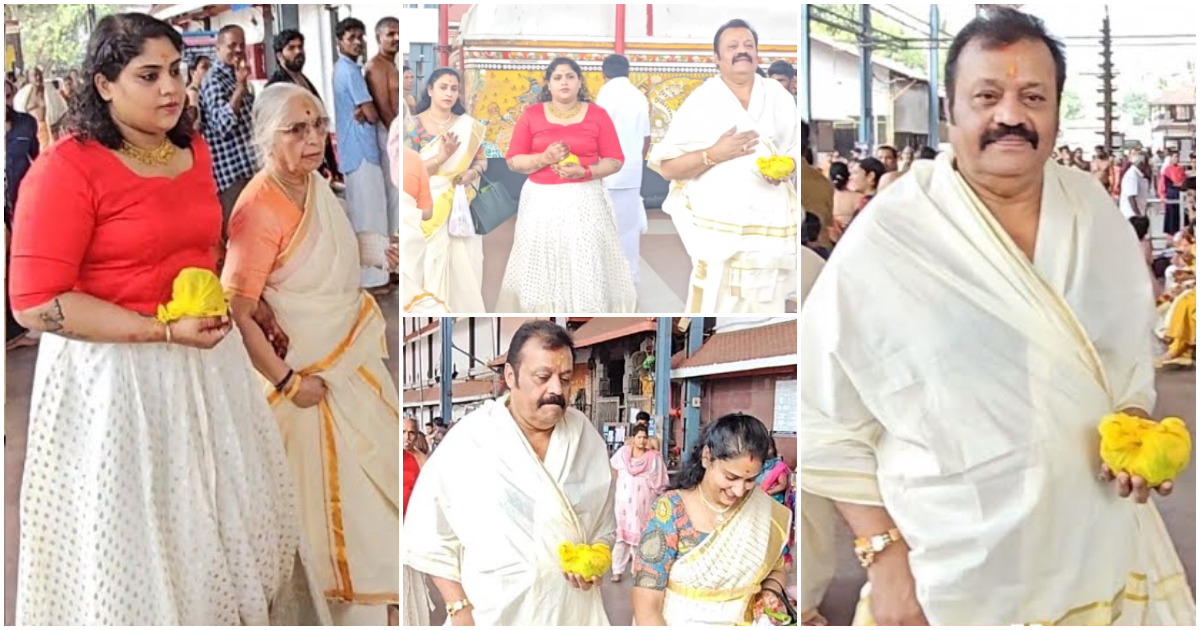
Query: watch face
[(878, 543)]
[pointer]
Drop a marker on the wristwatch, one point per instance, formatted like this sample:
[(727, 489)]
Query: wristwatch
[(457, 607), (867, 548)]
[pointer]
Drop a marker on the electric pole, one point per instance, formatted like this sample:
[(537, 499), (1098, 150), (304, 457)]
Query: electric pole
[(1106, 77)]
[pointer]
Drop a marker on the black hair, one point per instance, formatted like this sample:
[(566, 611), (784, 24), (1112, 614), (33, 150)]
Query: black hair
[(839, 175), (999, 27), (426, 100), (642, 416), (1141, 226), (783, 68), (760, 72), (810, 230), (888, 147), (551, 335), (730, 436), (115, 42), (286, 37), (639, 428), (407, 69), (229, 28), (584, 95), (875, 167), (615, 66), (728, 25), (927, 153), (347, 25)]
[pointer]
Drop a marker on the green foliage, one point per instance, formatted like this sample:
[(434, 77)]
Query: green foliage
[(54, 36)]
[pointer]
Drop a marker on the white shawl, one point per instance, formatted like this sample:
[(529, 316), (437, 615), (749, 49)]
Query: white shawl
[(488, 514), (947, 378)]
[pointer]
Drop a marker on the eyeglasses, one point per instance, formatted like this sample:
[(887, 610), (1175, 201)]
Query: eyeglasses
[(300, 129)]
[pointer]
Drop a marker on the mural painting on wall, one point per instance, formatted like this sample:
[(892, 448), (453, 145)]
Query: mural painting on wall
[(497, 97)]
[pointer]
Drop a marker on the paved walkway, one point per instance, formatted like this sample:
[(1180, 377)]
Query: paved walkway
[(20, 365)]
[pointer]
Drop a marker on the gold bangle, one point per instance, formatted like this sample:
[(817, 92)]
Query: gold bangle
[(707, 160), (457, 607)]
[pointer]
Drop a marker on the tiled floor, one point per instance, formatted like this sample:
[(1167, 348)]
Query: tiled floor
[(1176, 397), (19, 370), (665, 265)]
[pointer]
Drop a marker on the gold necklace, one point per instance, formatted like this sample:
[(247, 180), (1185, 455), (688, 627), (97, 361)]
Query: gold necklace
[(150, 157), (719, 514), (570, 113)]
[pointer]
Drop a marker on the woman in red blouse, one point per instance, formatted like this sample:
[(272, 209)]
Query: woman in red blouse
[(155, 490), (566, 256)]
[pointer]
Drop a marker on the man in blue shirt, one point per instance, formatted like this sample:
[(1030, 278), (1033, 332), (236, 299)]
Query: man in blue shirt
[(358, 153), (228, 103)]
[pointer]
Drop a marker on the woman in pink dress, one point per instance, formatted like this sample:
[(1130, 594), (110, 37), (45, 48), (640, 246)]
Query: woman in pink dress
[(641, 477)]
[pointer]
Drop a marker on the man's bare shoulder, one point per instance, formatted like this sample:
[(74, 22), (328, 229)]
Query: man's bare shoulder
[(375, 64)]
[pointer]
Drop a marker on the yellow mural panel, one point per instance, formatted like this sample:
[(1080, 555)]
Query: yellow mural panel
[(497, 98)]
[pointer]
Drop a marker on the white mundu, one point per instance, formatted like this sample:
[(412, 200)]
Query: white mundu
[(953, 381), (487, 513), (739, 230)]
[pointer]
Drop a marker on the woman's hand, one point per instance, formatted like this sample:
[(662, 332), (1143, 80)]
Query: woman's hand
[(569, 171), (265, 318), (555, 153), (449, 146), (468, 176), (200, 332), (312, 391)]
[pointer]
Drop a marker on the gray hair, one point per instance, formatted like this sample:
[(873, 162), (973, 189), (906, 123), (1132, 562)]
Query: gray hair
[(269, 109)]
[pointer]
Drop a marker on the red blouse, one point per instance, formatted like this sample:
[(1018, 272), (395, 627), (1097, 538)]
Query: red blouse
[(591, 139), (85, 222)]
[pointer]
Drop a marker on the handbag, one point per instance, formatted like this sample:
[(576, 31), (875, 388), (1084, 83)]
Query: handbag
[(492, 205)]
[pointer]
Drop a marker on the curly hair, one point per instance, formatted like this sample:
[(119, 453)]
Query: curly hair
[(584, 95), (117, 40)]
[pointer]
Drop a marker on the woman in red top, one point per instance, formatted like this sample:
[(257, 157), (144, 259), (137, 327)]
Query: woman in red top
[(155, 490), (566, 256)]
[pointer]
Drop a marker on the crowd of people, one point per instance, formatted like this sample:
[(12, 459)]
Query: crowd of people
[(954, 367), (227, 467), (587, 154), (525, 473)]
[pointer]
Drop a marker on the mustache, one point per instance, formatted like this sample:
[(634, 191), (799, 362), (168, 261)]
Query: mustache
[(742, 56), (1003, 131), (553, 399)]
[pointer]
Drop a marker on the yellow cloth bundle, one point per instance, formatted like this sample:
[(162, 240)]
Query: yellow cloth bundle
[(776, 166), (570, 159), (196, 293), (1154, 451), (589, 561)]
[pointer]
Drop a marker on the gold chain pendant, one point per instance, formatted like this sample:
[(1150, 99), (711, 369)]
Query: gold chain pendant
[(150, 157), (570, 113)]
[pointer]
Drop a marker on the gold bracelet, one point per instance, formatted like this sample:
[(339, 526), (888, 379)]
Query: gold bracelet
[(457, 607), (707, 160)]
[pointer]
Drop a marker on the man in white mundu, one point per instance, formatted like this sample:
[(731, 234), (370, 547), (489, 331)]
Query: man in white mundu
[(630, 113), (738, 226), (978, 320), (509, 484)]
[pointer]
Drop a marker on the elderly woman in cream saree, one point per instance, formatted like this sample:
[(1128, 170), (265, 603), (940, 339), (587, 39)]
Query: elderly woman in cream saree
[(292, 245), (452, 156)]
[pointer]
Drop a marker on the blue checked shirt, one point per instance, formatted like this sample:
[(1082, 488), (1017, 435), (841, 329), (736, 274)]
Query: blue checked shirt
[(356, 141), (228, 135)]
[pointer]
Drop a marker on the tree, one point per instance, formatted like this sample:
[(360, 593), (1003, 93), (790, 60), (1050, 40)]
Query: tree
[(1072, 106), (54, 36), (1136, 106), (884, 27)]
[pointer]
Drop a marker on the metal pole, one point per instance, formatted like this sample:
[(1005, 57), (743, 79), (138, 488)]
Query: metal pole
[(935, 120), (805, 68), (620, 46), (691, 392), (866, 78), (662, 379), (446, 330)]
